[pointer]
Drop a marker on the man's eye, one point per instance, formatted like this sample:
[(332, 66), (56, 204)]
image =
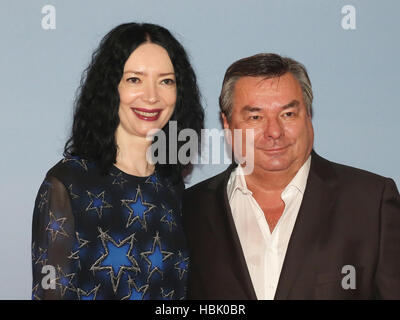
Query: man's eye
[(168, 81), (289, 114), (133, 80), (255, 117)]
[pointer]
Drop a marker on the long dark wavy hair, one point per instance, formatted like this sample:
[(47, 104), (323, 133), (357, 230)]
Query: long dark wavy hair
[(97, 100)]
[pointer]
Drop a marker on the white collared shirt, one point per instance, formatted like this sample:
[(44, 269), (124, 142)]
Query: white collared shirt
[(265, 251)]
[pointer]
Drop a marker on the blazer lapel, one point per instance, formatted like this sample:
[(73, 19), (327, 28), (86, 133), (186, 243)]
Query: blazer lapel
[(317, 202), (234, 248)]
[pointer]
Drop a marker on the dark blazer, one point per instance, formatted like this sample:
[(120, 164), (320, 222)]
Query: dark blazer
[(347, 217)]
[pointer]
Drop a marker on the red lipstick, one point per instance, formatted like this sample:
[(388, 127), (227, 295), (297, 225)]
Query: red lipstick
[(147, 114)]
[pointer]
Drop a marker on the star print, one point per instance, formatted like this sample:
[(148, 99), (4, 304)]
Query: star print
[(118, 179), (81, 162), (167, 296), (117, 258), (182, 265), (97, 203), (88, 295), (154, 181), (55, 227), (42, 257), (155, 257), (138, 209), (43, 200), (81, 243), (135, 293), (64, 281), (168, 217), (33, 252), (35, 290), (73, 195), (75, 256)]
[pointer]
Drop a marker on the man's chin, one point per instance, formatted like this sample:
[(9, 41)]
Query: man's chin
[(274, 167)]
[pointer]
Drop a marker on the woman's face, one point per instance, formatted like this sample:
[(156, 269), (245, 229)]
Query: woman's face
[(147, 90)]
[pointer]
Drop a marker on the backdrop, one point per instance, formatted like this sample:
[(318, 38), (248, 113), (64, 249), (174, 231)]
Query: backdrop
[(350, 49)]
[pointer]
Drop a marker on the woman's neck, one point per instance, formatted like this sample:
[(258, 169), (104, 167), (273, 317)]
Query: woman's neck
[(131, 154)]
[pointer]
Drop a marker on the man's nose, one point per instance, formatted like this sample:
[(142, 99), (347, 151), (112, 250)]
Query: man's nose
[(273, 129), (150, 93)]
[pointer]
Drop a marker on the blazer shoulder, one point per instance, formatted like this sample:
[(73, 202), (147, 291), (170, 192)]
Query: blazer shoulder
[(353, 172), (208, 184), (352, 176)]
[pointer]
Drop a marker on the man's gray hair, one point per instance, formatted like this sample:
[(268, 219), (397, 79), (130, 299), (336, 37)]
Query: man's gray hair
[(266, 65)]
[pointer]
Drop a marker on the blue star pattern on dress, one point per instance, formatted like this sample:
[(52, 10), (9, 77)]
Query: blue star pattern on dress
[(138, 208), (41, 256), (81, 243), (118, 179), (64, 281), (182, 265), (168, 217), (88, 295), (167, 296), (76, 161), (108, 236), (97, 203), (135, 292), (156, 257), (153, 180), (117, 258), (55, 227)]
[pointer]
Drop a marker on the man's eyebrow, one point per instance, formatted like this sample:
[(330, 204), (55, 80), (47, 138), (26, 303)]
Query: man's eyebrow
[(292, 104), (251, 109)]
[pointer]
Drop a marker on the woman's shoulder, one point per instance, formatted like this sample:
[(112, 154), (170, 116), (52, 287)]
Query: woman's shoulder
[(168, 184), (71, 167)]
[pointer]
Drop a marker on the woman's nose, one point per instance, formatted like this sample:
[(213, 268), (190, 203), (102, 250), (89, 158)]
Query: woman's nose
[(150, 93)]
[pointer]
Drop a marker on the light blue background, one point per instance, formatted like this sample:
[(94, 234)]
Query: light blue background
[(354, 75)]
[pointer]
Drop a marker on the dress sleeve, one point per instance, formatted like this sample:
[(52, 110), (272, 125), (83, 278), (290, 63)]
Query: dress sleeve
[(54, 264)]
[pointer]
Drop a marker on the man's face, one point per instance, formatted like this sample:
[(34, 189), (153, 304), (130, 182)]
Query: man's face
[(274, 108)]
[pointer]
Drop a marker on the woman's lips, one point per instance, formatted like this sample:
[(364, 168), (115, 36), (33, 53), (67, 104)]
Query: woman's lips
[(147, 114)]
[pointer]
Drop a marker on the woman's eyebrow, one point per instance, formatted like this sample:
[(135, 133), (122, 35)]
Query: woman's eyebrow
[(166, 74), (133, 71), (162, 74)]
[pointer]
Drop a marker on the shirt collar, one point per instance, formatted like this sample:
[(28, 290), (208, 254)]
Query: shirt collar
[(299, 181), (238, 182)]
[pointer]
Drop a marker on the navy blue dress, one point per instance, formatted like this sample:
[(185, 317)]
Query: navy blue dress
[(114, 236)]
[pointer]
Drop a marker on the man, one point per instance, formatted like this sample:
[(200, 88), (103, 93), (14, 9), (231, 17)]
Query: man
[(298, 226)]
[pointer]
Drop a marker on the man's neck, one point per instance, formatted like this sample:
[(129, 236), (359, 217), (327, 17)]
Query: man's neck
[(270, 181)]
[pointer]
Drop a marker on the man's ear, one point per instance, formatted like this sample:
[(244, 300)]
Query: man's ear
[(224, 120)]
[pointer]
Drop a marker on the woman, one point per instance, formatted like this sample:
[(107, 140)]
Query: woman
[(107, 222)]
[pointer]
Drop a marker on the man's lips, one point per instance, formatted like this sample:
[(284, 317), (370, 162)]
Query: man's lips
[(274, 150), (147, 114)]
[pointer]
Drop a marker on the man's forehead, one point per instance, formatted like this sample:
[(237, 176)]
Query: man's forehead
[(268, 83), (258, 87), (259, 82)]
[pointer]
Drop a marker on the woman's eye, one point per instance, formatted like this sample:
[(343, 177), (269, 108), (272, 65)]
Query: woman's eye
[(168, 81), (133, 80)]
